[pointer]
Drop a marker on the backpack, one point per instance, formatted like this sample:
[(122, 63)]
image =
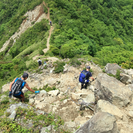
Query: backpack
[(17, 86), (40, 63), (82, 76)]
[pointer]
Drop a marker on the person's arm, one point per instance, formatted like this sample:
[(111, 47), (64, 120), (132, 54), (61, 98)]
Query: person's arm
[(92, 78), (27, 86), (11, 84)]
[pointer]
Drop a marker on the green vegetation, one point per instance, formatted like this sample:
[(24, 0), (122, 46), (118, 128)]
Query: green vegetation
[(41, 120), (59, 66), (100, 28), (11, 16), (117, 76), (28, 38), (75, 62)]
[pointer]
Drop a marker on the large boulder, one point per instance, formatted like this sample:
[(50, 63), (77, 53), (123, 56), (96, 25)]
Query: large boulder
[(112, 68), (110, 89), (100, 123), (105, 106)]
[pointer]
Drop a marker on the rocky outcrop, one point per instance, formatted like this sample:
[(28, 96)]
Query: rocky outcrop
[(112, 90), (100, 123), (112, 68), (105, 106)]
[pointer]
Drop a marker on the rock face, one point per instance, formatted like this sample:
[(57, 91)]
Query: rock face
[(112, 68), (105, 106), (112, 90), (99, 123)]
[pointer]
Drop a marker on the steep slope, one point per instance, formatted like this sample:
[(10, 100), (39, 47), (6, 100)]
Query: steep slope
[(32, 17)]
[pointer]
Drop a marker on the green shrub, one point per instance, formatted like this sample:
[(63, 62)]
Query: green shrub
[(118, 74), (59, 66), (41, 52), (75, 62)]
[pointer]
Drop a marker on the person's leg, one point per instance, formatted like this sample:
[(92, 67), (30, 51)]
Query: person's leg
[(21, 97), (86, 85), (82, 86)]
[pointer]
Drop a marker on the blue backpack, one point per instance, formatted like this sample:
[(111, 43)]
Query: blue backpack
[(82, 76)]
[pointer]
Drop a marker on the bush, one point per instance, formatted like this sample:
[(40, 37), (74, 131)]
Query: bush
[(118, 74), (41, 52), (59, 67), (75, 62)]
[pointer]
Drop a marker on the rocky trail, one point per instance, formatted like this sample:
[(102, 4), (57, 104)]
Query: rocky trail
[(111, 98)]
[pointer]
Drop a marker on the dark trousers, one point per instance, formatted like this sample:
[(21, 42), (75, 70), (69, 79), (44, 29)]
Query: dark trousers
[(84, 85)]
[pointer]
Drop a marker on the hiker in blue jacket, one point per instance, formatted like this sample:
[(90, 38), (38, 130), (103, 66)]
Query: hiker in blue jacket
[(17, 85), (84, 77)]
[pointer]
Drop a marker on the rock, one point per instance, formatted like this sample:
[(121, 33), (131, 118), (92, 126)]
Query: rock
[(31, 101), (39, 97), (40, 112), (75, 96), (50, 129), (112, 90), (2, 98), (105, 106), (13, 115), (53, 93), (124, 78), (130, 86), (129, 72), (43, 92), (65, 68), (100, 123), (92, 88), (40, 105), (50, 100), (89, 99), (80, 120), (25, 90), (5, 87), (112, 68), (65, 101), (130, 114), (61, 95), (70, 125)]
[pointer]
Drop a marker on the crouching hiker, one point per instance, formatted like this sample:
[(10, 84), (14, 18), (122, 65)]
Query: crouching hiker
[(84, 77), (17, 85)]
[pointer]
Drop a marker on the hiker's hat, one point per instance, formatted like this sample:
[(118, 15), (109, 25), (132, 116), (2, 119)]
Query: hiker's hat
[(87, 67), (25, 75)]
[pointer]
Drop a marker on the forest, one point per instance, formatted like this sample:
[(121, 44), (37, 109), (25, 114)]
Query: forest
[(102, 29)]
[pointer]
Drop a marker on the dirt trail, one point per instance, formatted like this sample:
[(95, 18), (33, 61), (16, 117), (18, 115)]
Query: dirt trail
[(50, 31)]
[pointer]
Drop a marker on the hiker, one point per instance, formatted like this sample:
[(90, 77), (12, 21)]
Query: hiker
[(39, 62), (17, 85), (45, 63), (50, 23), (84, 77)]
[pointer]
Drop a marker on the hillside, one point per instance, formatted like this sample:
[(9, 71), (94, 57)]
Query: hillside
[(100, 29), (83, 32)]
